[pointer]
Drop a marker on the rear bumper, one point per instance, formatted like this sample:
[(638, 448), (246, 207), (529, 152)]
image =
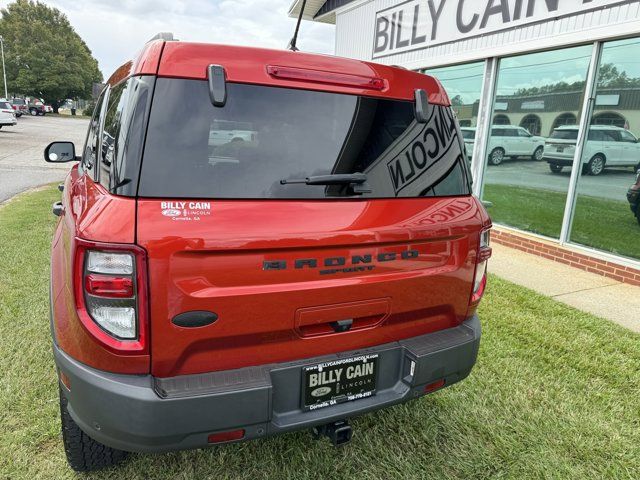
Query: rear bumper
[(564, 162), (143, 413)]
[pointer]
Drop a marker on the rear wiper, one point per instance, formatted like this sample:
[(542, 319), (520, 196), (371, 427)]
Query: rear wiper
[(357, 180)]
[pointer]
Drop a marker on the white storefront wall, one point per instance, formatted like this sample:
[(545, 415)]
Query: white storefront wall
[(508, 29), (420, 34)]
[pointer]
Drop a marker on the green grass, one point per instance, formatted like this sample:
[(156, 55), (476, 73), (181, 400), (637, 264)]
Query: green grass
[(555, 394), (600, 223)]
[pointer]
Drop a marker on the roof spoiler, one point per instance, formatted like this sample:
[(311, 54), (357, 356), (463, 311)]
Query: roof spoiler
[(166, 36)]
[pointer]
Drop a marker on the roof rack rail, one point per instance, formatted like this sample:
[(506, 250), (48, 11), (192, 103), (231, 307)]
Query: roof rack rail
[(166, 36)]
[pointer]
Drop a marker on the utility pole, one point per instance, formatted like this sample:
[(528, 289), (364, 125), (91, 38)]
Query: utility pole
[(4, 70)]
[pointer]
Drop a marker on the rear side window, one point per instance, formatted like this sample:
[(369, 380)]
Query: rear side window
[(264, 135), (90, 153), (628, 137), (123, 135)]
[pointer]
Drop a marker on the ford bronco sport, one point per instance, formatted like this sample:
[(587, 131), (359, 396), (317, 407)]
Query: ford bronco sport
[(325, 263)]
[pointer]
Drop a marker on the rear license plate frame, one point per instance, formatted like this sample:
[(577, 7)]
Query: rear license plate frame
[(347, 386)]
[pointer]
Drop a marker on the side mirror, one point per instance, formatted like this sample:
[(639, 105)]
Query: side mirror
[(60, 152)]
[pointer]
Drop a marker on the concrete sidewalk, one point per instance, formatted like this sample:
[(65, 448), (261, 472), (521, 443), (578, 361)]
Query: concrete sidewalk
[(585, 291)]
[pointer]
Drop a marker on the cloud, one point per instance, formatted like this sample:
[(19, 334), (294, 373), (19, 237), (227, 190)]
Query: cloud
[(115, 29)]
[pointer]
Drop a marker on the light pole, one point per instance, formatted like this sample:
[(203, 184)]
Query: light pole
[(4, 70)]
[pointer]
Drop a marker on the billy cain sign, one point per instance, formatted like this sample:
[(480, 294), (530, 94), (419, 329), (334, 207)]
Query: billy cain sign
[(417, 24)]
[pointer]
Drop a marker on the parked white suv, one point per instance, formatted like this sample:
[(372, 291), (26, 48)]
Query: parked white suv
[(7, 114), (607, 146), (507, 141), (225, 131)]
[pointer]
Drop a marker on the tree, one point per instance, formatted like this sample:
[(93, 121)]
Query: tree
[(45, 57)]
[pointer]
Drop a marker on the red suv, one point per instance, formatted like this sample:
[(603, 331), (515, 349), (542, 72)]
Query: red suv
[(325, 262)]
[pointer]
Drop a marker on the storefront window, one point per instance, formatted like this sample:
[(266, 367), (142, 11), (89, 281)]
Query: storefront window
[(463, 83), (603, 218), (535, 94)]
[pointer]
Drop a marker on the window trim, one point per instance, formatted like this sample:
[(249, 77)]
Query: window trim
[(96, 112), (103, 113)]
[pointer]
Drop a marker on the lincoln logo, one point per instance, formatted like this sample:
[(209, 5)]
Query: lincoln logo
[(332, 265)]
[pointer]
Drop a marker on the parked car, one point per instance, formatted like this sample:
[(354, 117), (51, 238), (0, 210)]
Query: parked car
[(469, 138), (606, 146), (223, 131), (7, 114), (633, 195), (36, 107), (507, 141), (20, 106), (288, 287)]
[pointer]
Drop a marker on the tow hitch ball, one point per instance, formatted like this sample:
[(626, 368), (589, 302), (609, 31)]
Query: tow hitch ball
[(338, 433)]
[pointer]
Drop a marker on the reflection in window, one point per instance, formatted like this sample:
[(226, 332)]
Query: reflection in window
[(604, 218), (463, 83), (532, 124), (564, 119), (609, 118), (536, 94)]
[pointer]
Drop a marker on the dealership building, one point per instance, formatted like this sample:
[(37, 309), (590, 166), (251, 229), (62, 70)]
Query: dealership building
[(566, 73)]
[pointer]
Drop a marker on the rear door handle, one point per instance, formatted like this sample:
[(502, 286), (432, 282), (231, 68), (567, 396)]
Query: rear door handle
[(342, 325), (58, 209)]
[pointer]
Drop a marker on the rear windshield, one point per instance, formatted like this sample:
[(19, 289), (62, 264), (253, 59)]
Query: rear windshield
[(6, 105), (18, 101), (266, 135), (468, 134), (564, 134)]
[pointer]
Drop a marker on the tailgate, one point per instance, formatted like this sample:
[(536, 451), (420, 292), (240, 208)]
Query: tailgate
[(283, 276)]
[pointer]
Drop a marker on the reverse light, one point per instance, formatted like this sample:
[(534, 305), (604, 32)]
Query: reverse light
[(110, 286), (109, 262), (480, 277), (330, 78)]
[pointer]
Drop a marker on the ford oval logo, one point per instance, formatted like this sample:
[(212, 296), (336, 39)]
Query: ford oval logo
[(321, 391), (171, 212)]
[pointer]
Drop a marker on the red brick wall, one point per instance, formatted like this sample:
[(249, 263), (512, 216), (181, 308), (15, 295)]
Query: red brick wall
[(567, 256)]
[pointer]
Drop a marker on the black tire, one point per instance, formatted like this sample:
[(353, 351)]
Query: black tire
[(41, 114), (596, 165), (555, 168), (33, 112), (538, 154), (496, 157), (84, 454)]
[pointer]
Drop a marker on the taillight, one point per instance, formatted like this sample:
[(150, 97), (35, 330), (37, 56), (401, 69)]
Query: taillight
[(110, 285), (480, 277)]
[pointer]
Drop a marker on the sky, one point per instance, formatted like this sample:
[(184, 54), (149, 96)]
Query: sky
[(115, 30)]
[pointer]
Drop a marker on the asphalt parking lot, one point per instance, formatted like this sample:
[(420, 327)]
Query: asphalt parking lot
[(21, 162), (22, 165), (611, 184)]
